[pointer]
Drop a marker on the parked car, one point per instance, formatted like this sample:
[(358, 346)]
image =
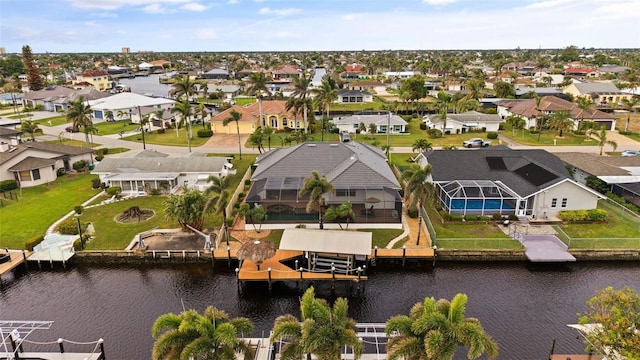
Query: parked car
[(476, 142), (71, 129), (628, 153), (345, 137)]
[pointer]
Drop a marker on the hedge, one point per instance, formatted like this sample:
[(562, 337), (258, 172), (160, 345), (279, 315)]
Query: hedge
[(31, 243), (8, 185), (203, 133), (583, 215)]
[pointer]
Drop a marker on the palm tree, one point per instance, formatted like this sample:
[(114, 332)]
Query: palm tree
[(324, 330), (629, 104), (296, 105), (187, 208), (342, 211), (30, 127), (256, 214), (316, 186), (415, 178), (201, 111), (444, 101), (258, 86), (108, 115), (79, 113), (184, 86), (421, 145), (267, 131), (184, 109), (235, 116), (189, 335), (435, 330), (220, 193), (584, 104), (301, 91), (601, 137), (325, 95), (560, 121)]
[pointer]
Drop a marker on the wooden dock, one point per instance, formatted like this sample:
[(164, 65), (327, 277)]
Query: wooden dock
[(425, 253), (17, 258), (281, 272)]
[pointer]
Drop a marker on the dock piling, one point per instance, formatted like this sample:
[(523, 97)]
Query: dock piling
[(269, 273), (61, 345), (404, 254), (101, 343), (333, 276), (228, 256)]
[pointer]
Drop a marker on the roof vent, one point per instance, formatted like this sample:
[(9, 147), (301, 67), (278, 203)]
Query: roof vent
[(311, 145)]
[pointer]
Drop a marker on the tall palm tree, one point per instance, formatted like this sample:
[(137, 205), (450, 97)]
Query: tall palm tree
[(601, 137), (560, 121), (201, 111), (220, 193), (415, 178), (435, 330), (184, 109), (302, 91), (316, 186), (30, 127), (444, 102), (184, 86), (421, 145), (267, 131), (325, 95), (585, 105), (629, 104), (296, 105), (258, 81), (324, 330), (235, 116), (189, 335), (79, 114)]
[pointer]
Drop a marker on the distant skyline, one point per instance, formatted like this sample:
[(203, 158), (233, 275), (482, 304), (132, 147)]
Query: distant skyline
[(61, 26)]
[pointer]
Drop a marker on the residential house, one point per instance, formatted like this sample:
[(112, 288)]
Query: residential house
[(366, 85), (37, 163), (528, 110), (580, 72), (147, 170), (125, 105), (280, 175), (275, 114), (464, 122), (532, 183), (228, 92), (382, 120), (61, 104), (10, 136), (97, 78), (525, 93), (354, 96), (602, 93), (286, 73), (611, 69), (45, 97), (621, 174), (11, 98), (217, 74), (399, 74)]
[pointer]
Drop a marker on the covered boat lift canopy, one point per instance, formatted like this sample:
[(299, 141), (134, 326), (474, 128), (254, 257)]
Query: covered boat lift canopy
[(327, 241)]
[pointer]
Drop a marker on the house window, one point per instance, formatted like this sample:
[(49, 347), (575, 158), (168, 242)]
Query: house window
[(25, 175), (359, 99), (345, 99), (564, 202), (356, 126), (345, 192), (554, 202), (36, 174), (274, 122), (285, 122), (298, 124)]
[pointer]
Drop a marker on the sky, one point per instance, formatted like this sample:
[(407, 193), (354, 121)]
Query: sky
[(61, 26)]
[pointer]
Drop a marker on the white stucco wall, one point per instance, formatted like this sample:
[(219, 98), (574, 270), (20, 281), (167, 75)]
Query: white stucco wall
[(577, 197)]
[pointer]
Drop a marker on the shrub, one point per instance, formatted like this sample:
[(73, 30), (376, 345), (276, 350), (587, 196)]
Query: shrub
[(434, 133), (8, 185), (203, 133), (247, 182), (445, 215), (31, 243), (513, 217), (99, 157), (412, 212), (61, 171), (155, 191), (70, 226), (114, 191), (78, 209), (241, 196), (79, 165), (625, 132), (455, 217), (583, 215), (447, 132), (597, 215), (161, 131), (579, 132), (496, 217), (492, 135), (301, 226), (230, 222)]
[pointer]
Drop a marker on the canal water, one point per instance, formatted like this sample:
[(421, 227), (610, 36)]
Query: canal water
[(147, 85), (523, 306)]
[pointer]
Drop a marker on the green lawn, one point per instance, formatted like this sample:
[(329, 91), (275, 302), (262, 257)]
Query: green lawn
[(115, 127), (377, 104), (111, 235), (21, 116), (54, 121), (169, 138), (547, 137), (38, 207), (381, 237)]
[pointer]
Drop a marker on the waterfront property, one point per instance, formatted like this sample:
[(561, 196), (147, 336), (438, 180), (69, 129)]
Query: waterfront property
[(358, 172), (381, 119), (147, 170), (532, 183), (274, 114), (124, 106), (37, 163)]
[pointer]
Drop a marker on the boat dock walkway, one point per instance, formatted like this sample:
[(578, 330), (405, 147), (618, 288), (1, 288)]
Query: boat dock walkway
[(16, 257)]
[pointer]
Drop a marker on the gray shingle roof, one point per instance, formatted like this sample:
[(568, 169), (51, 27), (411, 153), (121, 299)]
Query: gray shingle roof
[(160, 165), (600, 165), (526, 171), (30, 163), (47, 147), (370, 119), (344, 164), (587, 88)]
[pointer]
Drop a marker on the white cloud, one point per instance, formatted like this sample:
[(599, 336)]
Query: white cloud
[(231, 2), (116, 4), (546, 4), (349, 17), (24, 32), (206, 34), (194, 7), (278, 12), (439, 2), (155, 9), (91, 24), (106, 14)]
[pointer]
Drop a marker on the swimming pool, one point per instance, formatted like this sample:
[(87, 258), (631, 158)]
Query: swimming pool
[(476, 204)]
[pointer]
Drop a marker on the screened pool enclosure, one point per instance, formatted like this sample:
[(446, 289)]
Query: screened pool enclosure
[(476, 197)]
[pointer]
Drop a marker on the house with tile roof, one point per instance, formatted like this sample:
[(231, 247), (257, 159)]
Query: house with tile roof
[(275, 114), (99, 79), (37, 163), (145, 170), (529, 111), (621, 174), (358, 172), (532, 183), (602, 93)]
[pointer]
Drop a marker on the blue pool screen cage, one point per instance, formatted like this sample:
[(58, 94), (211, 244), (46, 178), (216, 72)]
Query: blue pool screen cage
[(476, 197)]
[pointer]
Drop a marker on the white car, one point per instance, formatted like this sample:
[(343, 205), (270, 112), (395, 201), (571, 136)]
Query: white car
[(628, 153)]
